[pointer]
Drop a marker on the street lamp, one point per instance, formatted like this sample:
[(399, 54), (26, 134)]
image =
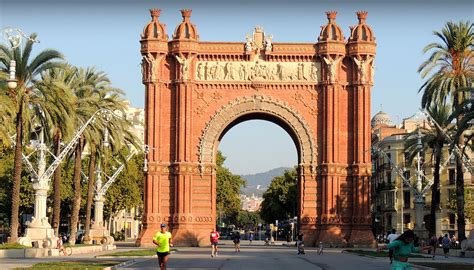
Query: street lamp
[(12, 82)]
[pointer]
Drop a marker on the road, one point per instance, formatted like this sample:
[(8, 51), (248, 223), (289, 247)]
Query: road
[(259, 257)]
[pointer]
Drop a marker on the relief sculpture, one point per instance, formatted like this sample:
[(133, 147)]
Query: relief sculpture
[(258, 71)]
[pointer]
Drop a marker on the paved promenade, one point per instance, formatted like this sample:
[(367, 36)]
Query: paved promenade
[(252, 257)]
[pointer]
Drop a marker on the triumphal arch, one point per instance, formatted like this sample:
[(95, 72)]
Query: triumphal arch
[(318, 92)]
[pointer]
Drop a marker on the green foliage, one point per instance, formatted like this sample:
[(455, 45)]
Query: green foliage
[(129, 182), (280, 200), (228, 189), (76, 265), (118, 236), (468, 203), (12, 246), (26, 190), (248, 220)]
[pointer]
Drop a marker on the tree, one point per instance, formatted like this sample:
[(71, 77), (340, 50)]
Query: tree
[(23, 99), (228, 190), (280, 199), (248, 220), (57, 120), (129, 182), (434, 139), (468, 207), (86, 106), (448, 68), (119, 137)]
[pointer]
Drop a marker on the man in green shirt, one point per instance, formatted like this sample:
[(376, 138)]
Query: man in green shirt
[(163, 241)]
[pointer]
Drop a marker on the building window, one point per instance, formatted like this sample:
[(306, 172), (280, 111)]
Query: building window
[(452, 218), (452, 176), (406, 218), (406, 199), (389, 177), (407, 176), (407, 158), (389, 221)]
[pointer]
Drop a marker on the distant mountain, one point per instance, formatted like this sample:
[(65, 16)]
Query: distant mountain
[(258, 183)]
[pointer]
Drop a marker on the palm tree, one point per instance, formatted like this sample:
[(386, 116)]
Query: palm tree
[(85, 107), (434, 139), (448, 70), (26, 74), (58, 121), (7, 115), (108, 98)]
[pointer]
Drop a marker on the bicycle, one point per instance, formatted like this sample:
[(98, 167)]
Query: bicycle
[(65, 251)]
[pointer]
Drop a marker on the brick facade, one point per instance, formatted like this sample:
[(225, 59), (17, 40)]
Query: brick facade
[(318, 92)]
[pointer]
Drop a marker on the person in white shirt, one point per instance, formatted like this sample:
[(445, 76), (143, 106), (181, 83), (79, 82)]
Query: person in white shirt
[(391, 237)]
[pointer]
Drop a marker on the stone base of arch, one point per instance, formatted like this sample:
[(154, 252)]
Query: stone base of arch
[(332, 236), (362, 236)]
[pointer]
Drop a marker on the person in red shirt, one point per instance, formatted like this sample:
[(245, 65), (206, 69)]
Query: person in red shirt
[(214, 237)]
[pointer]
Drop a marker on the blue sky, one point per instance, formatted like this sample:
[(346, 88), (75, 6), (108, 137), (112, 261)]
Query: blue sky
[(105, 34)]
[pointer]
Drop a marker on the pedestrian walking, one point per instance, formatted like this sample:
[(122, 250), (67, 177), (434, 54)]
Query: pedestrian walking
[(320, 248), (454, 241), (300, 244), (250, 238), (214, 238), (433, 244), (391, 237), (446, 243), (402, 247), (163, 241), (236, 240)]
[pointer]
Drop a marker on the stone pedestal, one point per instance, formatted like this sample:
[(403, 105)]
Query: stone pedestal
[(419, 229), (39, 228), (331, 236), (98, 231)]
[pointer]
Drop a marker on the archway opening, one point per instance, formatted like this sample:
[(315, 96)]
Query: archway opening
[(264, 151)]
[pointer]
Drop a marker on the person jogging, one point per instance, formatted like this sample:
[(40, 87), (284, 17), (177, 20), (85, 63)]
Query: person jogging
[(163, 241), (214, 237), (402, 248)]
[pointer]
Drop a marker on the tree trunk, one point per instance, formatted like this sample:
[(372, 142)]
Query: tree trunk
[(435, 193), (460, 177), (90, 193), (460, 200), (57, 185), (76, 203), (17, 176)]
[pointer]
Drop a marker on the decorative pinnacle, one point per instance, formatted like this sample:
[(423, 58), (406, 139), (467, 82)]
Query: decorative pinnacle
[(155, 13), (362, 15), (186, 13), (331, 15)]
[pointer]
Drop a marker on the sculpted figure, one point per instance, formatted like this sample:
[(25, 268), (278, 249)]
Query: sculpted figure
[(242, 72), (150, 61), (184, 64), (231, 72), (361, 68), (314, 72), (210, 71), (219, 74), (372, 69), (268, 43), (201, 72), (248, 43), (332, 67)]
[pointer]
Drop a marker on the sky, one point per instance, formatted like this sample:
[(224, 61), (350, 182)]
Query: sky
[(106, 33)]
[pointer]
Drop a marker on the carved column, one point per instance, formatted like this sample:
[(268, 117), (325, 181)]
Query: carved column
[(361, 48), (186, 171), (154, 48), (307, 206)]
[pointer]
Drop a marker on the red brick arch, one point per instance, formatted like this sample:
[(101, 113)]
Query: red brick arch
[(243, 106), (318, 92)]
